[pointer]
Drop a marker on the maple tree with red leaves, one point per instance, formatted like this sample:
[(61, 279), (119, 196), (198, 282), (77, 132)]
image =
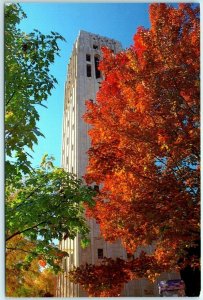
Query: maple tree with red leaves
[(107, 279), (110, 277), (145, 140)]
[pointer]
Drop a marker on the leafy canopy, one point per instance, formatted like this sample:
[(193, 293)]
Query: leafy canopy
[(28, 83), (107, 279), (145, 141), (26, 282), (44, 206)]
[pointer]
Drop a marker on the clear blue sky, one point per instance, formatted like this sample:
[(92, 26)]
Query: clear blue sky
[(114, 20)]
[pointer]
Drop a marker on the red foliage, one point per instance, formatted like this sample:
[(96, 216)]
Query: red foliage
[(107, 279), (145, 150), (145, 137), (104, 280)]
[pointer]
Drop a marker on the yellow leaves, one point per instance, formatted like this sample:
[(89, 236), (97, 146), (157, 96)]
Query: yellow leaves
[(31, 282), (133, 65), (162, 141), (152, 276), (164, 146), (46, 281), (178, 140), (8, 115)]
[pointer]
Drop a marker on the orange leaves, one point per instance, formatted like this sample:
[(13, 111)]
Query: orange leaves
[(141, 95), (140, 106), (140, 89), (162, 138), (139, 43), (42, 263), (145, 137), (155, 11)]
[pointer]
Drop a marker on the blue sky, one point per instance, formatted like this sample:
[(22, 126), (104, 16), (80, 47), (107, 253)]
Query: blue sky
[(114, 20)]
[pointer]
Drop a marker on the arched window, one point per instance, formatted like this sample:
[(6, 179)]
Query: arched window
[(96, 64)]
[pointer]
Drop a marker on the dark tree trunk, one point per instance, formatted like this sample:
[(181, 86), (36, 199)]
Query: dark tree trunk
[(192, 280), (192, 276)]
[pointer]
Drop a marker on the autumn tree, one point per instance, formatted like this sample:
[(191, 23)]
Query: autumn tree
[(107, 278), (46, 283), (145, 134), (32, 281)]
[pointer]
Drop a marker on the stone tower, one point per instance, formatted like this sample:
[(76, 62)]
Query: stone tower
[(82, 83)]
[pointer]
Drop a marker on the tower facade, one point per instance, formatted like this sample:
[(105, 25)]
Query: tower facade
[(82, 83)]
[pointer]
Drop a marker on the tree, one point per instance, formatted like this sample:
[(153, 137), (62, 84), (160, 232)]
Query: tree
[(46, 283), (28, 57), (145, 139), (104, 280), (107, 279), (33, 281), (46, 205)]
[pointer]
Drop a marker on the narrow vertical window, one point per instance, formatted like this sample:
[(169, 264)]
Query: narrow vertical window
[(65, 264), (96, 63), (71, 258), (100, 253), (88, 57), (88, 69)]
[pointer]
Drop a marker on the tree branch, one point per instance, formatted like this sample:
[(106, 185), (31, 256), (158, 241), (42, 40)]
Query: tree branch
[(27, 229), (11, 97), (20, 249)]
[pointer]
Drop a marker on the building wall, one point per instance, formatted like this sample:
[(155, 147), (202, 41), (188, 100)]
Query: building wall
[(80, 86)]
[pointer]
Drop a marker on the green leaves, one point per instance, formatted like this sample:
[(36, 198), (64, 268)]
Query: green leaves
[(42, 204), (28, 58), (45, 205)]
